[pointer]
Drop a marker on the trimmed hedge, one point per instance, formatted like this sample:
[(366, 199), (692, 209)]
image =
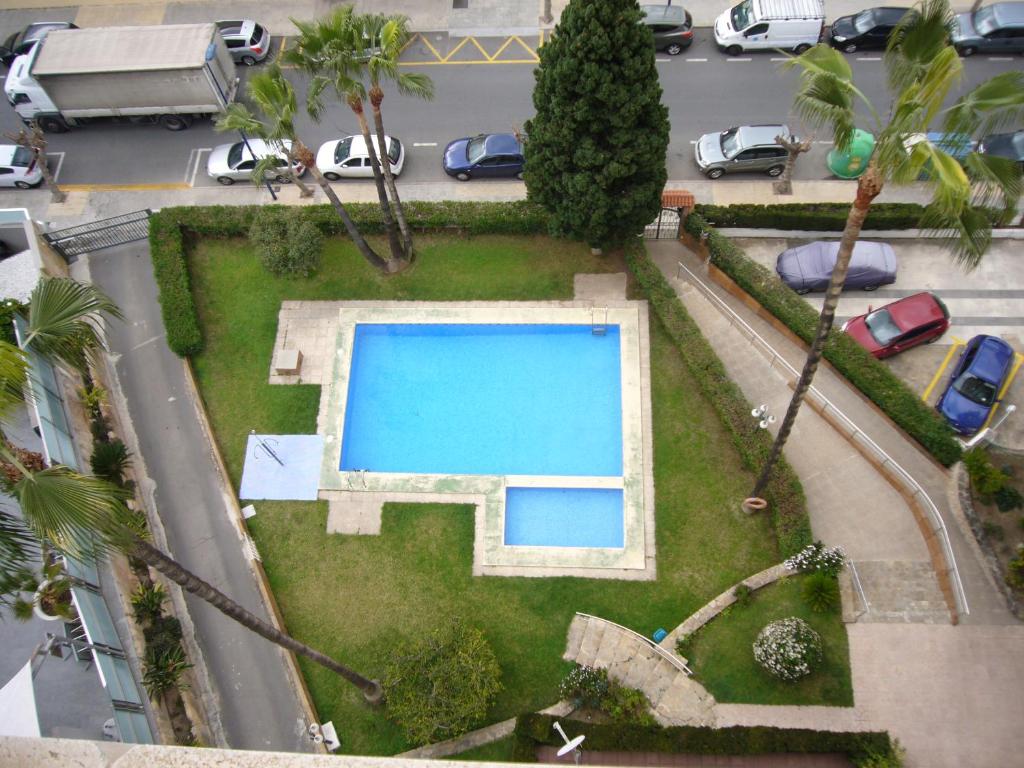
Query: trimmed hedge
[(533, 730), (784, 493), (170, 227), (824, 217), (866, 373)]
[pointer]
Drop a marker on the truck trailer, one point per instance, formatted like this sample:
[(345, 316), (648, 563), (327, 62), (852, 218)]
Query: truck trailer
[(170, 74)]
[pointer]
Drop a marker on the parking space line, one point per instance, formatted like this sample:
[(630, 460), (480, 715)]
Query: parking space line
[(424, 143), (739, 59), (1000, 58), (696, 59), (60, 164), (957, 343), (779, 58), (1017, 360), (190, 178), (869, 58)]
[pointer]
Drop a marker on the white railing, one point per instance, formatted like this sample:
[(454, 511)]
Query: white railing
[(667, 655), (854, 432), (859, 587)]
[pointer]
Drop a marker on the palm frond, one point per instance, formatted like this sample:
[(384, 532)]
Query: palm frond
[(80, 516), (995, 104), (996, 182), (237, 117), (63, 320), (266, 168), (825, 96), (13, 377), (18, 546), (918, 39), (414, 84)]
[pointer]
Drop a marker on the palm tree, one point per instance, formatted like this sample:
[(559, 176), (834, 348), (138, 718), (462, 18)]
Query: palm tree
[(391, 33), (329, 50), (922, 68), (275, 99), (85, 516), (274, 95)]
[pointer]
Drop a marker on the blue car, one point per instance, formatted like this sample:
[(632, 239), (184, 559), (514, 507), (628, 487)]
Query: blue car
[(974, 386), (489, 155)]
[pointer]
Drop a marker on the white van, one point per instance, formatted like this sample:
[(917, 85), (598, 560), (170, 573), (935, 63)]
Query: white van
[(756, 25)]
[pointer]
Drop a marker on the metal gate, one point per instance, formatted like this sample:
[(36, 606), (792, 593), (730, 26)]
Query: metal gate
[(666, 227), (74, 241)]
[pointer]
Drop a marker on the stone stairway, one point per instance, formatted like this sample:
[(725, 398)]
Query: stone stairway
[(675, 698), (903, 592)]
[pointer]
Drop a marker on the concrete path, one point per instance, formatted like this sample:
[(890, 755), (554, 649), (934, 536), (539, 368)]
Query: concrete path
[(950, 694)]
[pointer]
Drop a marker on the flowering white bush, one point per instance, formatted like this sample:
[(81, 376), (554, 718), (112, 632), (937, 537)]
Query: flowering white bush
[(788, 648), (817, 557)]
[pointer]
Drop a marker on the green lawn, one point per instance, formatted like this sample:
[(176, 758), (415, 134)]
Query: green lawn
[(353, 596), (498, 751), (722, 658)]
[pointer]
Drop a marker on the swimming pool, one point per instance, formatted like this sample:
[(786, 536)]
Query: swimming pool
[(483, 399)]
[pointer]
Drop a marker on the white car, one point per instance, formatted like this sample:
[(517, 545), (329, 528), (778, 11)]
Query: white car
[(347, 157), (229, 163), (18, 167)]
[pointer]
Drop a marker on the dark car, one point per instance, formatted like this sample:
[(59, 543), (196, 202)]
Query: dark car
[(996, 28), (1008, 145), (21, 43), (867, 29), (918, 319), (809, 267), (976, 383), (489, 155), (672, 27)]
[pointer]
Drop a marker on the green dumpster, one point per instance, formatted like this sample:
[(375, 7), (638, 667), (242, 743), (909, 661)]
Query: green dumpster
[(854, 161)]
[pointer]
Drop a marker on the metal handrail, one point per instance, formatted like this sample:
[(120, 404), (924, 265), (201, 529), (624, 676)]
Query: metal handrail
[(939, 527), (860, 588), (667, 655)]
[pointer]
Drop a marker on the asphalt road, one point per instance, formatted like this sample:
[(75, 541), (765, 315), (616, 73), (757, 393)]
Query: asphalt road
[(486, 85), (257, 706)]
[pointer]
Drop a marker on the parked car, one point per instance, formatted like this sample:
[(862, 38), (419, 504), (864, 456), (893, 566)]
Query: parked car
[(742, 148), (1008, 145), (18, 167), (21, 43), (975, 384), (868, 29), (347, 157), (917, 319), (672, 27), (809, 267), (229, 163), (996, 28), (956, 145), (488, 155), (248, 42)]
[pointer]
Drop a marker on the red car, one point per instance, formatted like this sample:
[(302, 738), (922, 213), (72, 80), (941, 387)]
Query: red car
[(888, 330)]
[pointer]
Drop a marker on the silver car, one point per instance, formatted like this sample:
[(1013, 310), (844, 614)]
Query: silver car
[(743, 148), (229, 163), (248, 42)]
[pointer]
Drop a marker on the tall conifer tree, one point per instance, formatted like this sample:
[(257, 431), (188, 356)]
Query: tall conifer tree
[(595, 152)]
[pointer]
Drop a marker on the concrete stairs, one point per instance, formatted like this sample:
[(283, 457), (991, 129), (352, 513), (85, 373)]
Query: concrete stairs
[(675, 698), (897, 591)]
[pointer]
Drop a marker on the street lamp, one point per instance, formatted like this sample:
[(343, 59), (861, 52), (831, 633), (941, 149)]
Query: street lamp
[(211, 54)]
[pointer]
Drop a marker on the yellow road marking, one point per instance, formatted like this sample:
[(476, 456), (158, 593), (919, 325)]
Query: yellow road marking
[(122, 187), (433, 50), (280, 51), (957, 343), (460, 63), (470, 40), (478, 47), (540, 39), (1018, 359)]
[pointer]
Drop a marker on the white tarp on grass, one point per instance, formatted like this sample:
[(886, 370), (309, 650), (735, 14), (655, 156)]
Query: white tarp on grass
[(282, 467)]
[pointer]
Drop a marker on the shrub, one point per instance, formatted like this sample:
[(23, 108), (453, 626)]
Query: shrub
[(110, 460), (584, 686), (162, 671), (591, 687), (1015, 569), (817, 558), (784, 494), (148, 601), (8, 309), (440, 686), (809, 217), (986, 478), (287, 244), (1008, 498), (788, 648), (163, 633), (742, 592), (993, 530), (870, 376), (820, 591)]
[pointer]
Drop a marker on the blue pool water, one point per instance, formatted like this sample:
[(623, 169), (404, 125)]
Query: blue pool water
[(563, 517), (484, 399)]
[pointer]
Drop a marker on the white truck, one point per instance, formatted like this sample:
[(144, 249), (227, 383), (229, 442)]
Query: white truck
[(169, 74), (753, 25)]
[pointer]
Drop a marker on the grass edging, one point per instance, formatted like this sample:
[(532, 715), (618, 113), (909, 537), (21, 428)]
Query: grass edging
[(169, 229), (534, 730), (870, 376), (784, 493)]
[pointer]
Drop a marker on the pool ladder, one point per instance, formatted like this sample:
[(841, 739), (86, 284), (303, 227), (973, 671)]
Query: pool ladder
[(599, 328)]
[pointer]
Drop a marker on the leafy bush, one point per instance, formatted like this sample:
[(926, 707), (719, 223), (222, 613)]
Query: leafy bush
[(993, 530), (439, 686), (162, 671), (742, 592), (784, 494), (811, 217), (992, 484), (788, 648), (821, 592), (287, 244), (8, 309), (163, 633), (110, 460), (1008, 498), (533, 729), (870, 376), (817, 558), (148, 601), (591, 687), (1015, 569), (584, 686)]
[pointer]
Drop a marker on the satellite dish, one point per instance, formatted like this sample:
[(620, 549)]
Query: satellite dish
[(571, 745)]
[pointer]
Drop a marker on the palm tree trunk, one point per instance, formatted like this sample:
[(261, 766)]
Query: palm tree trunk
[(376, 97), (191, 583), (309, 160), (868, 187), (397, 253), (304, 189), (57, 195)]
